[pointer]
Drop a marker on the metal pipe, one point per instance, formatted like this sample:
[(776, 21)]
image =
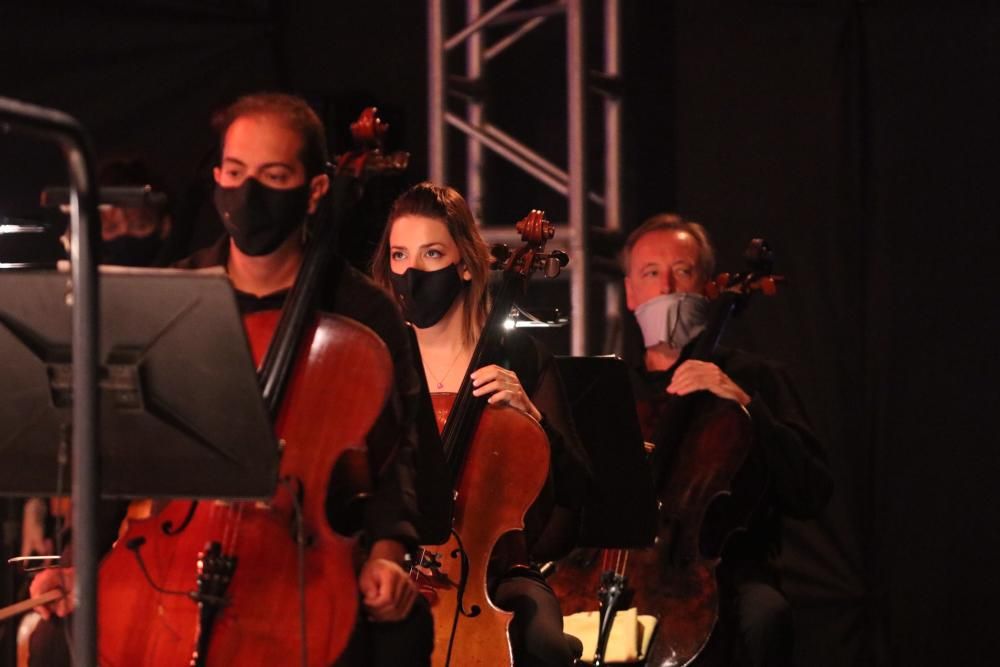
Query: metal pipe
[(506, 153), (474, 114), (525, 152), (577, 164), (436, 130), (521, 15), (510, 149), (478, 24), (613, 293), (72, 139), (529, 154), (612, 119), (503, 44)]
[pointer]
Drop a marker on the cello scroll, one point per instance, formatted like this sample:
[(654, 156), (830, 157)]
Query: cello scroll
[(535, 230)]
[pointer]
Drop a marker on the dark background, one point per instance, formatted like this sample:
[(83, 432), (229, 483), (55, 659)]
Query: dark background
[(859, 137)]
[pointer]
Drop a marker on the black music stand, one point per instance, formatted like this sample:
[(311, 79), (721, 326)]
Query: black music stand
[(180, 410), (621, 511)]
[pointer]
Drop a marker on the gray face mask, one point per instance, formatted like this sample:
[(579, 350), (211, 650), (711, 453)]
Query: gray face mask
[(675, 319)]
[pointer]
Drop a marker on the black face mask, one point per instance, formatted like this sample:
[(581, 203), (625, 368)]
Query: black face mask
[(259, 217), (426, 296), (131, 250)]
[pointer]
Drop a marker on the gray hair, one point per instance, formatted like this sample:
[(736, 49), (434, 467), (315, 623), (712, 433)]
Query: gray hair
[(674, 222)]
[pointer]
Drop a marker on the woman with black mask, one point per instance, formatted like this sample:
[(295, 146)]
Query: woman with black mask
[(434, 261)]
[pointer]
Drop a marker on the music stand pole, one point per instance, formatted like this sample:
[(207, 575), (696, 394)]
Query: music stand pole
[(71, 138)]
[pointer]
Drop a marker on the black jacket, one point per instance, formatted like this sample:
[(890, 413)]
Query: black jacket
[(798, 480)]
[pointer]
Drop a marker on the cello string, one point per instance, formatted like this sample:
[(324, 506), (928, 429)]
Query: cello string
[(300, 559), (232, 519), (237, 522), (220, 521)]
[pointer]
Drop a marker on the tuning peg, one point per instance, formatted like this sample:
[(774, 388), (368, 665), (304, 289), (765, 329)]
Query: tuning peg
[(767, 287), (759, 256), (501, 253), (369, 130), (554, 263)]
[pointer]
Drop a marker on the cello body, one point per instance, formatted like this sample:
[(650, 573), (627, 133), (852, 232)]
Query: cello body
[(708, 484), (708, 495), (506, 467), (710, 491), (497, 461), (339, 384)]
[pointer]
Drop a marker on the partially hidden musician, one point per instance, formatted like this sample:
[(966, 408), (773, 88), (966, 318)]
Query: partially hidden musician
[(668, 261), (435, 262)]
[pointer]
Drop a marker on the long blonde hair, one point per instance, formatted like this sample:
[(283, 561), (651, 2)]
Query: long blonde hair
[(447, 205)]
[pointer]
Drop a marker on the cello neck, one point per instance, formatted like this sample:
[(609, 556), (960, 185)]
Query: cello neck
[(517, 267), (275, 369), (346, 189), (467, 408), (724, 308)]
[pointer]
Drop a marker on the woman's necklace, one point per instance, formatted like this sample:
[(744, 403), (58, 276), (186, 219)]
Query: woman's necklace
[(440, 380)]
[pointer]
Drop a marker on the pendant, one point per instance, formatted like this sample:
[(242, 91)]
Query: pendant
[(440, 385)]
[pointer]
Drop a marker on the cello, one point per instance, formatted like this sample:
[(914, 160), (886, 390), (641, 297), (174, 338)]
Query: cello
[(272, 582), (707, 486), (497, 461)]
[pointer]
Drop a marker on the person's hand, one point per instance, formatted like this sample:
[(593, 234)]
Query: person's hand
[(387, 592), (505, 388), (703, 375), (56, 578), (33, 540)]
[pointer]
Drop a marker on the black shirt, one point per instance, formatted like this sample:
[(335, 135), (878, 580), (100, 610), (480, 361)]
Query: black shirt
[(798, 478)]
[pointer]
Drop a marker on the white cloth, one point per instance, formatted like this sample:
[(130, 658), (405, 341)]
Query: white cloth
[(629, 639)]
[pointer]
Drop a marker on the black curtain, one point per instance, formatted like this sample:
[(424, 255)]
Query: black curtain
[(143, 77), (861, 139)]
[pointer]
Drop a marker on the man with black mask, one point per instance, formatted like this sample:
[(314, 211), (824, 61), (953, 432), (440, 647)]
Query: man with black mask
[(667, 263), (270, 180)]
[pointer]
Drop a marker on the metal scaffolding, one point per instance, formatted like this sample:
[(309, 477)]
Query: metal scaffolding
[(478, 132)]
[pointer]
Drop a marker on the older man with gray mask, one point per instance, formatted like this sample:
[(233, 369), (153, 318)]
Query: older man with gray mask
[(667, 262)]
